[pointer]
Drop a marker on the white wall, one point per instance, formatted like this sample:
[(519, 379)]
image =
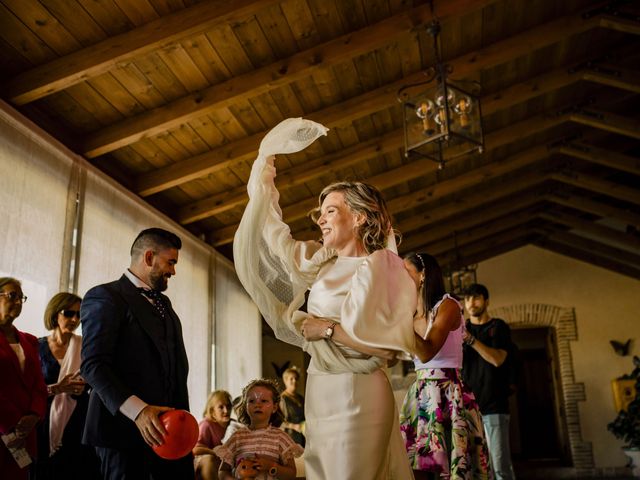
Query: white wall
[(35, 187), (606, 306)]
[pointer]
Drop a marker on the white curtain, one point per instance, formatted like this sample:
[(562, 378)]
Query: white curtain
[(33, 200), (35, 177), (238, 339), (191, 297)]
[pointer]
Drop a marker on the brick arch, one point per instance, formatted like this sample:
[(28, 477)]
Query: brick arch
[(563, 321)]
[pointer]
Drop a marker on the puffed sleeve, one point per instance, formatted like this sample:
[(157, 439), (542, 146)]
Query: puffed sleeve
[(226, 451), (378, 310), (274, 269)]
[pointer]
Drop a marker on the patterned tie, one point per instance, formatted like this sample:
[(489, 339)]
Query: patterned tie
[(156, 299)]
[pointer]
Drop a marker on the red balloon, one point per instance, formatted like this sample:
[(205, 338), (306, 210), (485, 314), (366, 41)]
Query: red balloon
[(181, 437)]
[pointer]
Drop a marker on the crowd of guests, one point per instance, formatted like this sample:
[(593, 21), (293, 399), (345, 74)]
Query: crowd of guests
[(94, 403), (45, 398)]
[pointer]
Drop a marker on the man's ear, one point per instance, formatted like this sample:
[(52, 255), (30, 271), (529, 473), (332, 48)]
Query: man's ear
[(148, 257)]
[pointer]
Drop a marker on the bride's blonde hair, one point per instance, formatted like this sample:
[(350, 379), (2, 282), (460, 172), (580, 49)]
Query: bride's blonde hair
[(367, 201)]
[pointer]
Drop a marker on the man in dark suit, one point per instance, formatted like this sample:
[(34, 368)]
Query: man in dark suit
[(133, 357)]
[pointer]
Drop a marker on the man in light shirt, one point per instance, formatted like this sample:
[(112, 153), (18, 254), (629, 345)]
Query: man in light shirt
[(133, 357)]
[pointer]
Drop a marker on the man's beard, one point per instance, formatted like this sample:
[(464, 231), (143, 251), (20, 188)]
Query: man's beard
[(158, 281), (477, 312)]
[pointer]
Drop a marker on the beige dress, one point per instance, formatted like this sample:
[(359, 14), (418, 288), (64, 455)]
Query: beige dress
[(351, 420)]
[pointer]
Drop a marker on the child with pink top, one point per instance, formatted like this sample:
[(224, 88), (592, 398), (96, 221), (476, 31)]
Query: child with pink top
[(269, 450)]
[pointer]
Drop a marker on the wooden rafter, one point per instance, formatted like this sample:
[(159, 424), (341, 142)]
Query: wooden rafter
[(606, 234), (499, 241), (265, 79), (596, 248), (588, 257), (594, 207), (470, 235), (305, 63), (610, 122), (599, 185), (98, 59), (343, 113), (601, 156)]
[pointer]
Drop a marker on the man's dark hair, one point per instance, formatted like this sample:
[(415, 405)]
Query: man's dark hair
[(156, 239), (476, 289)]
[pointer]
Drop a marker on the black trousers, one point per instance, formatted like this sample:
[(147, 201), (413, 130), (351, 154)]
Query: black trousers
[(142, 464)]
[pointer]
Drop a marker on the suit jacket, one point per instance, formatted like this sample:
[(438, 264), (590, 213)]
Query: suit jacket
[(122, 355), (21, 393)]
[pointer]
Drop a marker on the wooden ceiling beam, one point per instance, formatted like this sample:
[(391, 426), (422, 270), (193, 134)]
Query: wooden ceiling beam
[(344, 113), (597, 248), (476, 198), (213, 161), (620, 24), (106, 55), (588, 257), (594, 207), (335, 51), (469, 235), (613, 76), (610, 122), (446, 230), (477, 250), (493, 140), (270, 77), (607, 234), (293, 176), (246, 149), (471, 178), (492, 248), (601, 156), (599, 185)]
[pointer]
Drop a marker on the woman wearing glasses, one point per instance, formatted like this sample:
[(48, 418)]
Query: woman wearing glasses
[(23, 393), (62, 454)]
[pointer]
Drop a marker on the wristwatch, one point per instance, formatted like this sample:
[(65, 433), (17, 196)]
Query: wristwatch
[(328, 333)]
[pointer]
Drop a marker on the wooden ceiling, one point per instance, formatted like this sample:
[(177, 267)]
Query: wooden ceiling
[(172, 97)]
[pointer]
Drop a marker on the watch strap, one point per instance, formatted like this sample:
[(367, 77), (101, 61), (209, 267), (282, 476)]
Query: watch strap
[(330, 330)]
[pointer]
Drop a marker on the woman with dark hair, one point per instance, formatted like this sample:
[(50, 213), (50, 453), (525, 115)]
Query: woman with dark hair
[(440, 419), (62, 454), (23, 393)]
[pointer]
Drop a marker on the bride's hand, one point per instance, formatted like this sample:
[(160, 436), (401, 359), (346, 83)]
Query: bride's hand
[(314, 328)]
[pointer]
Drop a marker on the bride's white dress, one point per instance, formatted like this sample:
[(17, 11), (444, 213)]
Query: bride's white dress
[(351, 419)]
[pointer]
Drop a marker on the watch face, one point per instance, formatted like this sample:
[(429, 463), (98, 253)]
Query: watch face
[(328, 332)]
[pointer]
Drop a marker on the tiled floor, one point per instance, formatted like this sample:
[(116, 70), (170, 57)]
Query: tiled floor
[(571, 474)]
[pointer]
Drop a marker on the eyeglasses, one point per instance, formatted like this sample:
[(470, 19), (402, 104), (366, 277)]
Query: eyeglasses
[(14, 296), (70, 313)]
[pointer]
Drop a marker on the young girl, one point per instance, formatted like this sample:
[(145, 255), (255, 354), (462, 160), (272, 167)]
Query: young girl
[(271, 450), (217, 418)]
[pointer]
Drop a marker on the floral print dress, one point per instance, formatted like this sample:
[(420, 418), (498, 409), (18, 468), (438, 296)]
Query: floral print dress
[(441, 426)]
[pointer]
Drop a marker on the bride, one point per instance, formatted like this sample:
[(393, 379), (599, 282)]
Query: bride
[(359, 311)]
